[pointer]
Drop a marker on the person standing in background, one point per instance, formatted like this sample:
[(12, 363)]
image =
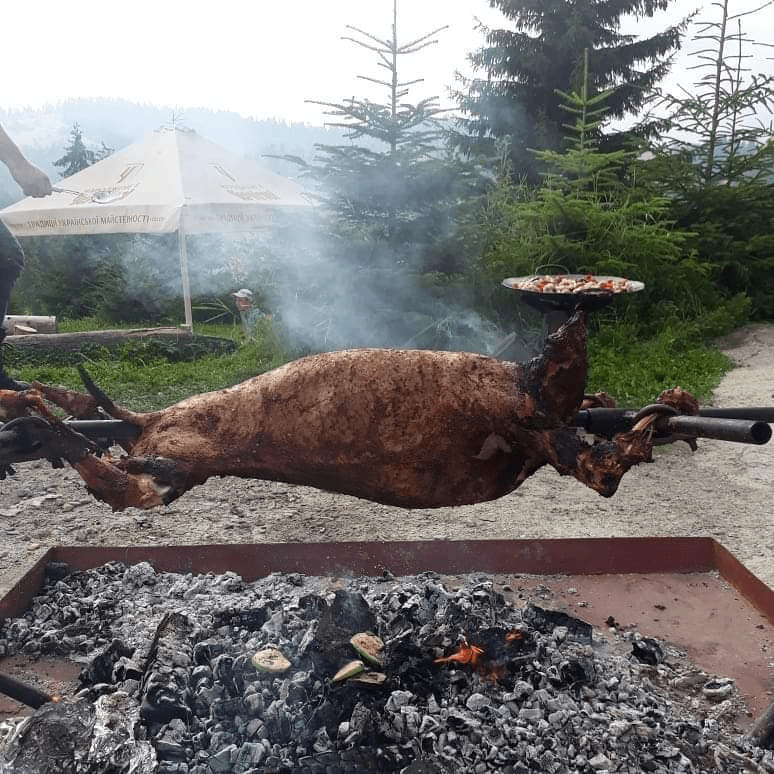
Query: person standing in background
[(244, 303), (33, 182)]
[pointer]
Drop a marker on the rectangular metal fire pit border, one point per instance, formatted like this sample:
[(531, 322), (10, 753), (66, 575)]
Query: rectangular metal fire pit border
[(572, 556)]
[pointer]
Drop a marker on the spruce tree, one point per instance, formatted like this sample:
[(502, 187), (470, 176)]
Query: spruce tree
[(77, 156), (716, 162), (590, 215), (390, 184), (541, 53), (387, 233)]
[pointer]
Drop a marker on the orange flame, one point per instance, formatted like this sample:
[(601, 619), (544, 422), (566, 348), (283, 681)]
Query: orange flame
[(474, 656), (465, 654)]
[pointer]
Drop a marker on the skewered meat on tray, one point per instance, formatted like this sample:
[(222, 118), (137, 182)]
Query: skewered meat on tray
[(569, 283)]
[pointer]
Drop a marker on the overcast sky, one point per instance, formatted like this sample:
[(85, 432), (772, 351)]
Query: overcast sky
[(260, 58)]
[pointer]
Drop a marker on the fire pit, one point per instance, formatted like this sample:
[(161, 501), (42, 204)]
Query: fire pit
[(609, 665)]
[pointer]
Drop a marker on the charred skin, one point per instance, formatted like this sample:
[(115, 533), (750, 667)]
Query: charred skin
[(411, 428)]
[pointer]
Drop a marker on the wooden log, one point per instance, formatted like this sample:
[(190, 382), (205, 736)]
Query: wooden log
[(21, 324), (74, 341)]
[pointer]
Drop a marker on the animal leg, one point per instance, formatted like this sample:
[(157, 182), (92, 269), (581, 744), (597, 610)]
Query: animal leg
[(175, 477), (119, 489), (74, 403), (19, 403)]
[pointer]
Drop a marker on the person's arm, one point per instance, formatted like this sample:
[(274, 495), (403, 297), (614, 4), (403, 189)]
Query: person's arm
[(31, 180)]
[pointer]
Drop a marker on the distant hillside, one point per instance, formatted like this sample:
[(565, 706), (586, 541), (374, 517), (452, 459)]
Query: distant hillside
[(44, 134)]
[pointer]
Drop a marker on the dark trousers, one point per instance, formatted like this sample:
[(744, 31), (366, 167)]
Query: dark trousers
[(11, 264)]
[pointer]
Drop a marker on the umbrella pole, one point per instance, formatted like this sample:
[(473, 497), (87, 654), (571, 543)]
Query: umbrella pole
[(184, 275)]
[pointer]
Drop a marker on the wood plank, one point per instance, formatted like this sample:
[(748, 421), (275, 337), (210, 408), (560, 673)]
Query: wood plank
[(74, 341)]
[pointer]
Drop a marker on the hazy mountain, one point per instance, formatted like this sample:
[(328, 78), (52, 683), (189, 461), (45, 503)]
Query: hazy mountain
[(43, 134)]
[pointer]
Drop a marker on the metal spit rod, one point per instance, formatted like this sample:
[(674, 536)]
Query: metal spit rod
[(742, 425)]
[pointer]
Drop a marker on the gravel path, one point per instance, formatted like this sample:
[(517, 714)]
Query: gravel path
[(722, 491)]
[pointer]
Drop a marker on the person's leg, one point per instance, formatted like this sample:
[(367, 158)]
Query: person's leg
[(11, 264)]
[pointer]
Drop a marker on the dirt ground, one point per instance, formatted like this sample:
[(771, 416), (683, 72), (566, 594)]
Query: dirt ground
[(723, 490)]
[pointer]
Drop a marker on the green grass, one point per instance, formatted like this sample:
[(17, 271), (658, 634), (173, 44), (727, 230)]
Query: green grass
[(635, 371), (144, 375)]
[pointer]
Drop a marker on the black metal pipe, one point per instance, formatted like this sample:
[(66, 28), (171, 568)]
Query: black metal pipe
[(605, 421), (739, 430), (26, 694), (758, 413), (739, 425), (104, 428)]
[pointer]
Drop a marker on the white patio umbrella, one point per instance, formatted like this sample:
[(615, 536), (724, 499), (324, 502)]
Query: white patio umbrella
[(174, 180)]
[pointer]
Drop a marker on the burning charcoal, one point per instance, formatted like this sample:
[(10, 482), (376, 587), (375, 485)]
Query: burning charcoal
[(311, 606), (477, 702), (277, 721), (424, 767), (408, 664), (140, 574), (296, 688), (220, 739), (168, 747), (223, 760), (164, 688), (546, 621), (351, 611), (273, 626), (202, 654), (546, 702), (762, 732), (102, 667), (223, 673), (251, 619), (250, 754), (56, 571), (126, 669), (572, 673), (304, 640), (225, 708), (254, 704), (648, 651), (200, 675)]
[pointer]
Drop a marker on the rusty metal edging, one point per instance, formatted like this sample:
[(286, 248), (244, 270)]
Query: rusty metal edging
[(19, 597), (748, 585), (620, 576), (571, 556)]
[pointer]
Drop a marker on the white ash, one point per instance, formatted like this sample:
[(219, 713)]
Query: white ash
[(174, 653)]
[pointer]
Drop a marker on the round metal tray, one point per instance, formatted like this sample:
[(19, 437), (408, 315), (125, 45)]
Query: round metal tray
[(589, 301)]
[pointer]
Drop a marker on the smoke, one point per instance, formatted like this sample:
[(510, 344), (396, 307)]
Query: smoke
[(327, 297), (317, 288), (327, 288)]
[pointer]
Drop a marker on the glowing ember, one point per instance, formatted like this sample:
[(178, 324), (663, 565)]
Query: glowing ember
[(465, 654), (488, 661)]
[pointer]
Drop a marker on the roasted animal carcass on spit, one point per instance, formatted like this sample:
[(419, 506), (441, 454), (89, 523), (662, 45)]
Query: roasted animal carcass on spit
[(411, 428)]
